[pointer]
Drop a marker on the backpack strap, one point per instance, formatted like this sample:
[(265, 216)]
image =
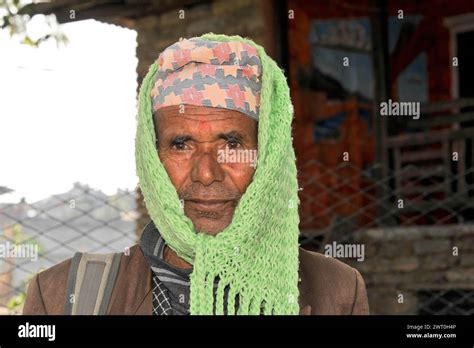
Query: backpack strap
[(90, 283)]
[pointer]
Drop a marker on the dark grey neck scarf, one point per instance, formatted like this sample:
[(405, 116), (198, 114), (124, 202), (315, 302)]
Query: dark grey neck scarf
[(171, 287)]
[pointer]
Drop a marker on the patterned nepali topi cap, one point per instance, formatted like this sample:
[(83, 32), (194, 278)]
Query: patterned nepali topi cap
[(209, 73)]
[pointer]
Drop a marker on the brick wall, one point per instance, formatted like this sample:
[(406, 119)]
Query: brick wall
[(405, 260)]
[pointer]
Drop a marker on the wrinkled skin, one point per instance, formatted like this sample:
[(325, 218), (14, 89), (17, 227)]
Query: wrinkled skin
[(188, 140)]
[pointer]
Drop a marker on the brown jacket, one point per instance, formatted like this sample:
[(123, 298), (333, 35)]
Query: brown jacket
[(327, 286)]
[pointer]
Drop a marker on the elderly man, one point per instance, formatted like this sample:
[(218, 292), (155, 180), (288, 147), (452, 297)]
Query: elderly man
[(224, 232)]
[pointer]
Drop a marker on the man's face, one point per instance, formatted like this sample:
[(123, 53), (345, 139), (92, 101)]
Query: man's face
[(190, 140)]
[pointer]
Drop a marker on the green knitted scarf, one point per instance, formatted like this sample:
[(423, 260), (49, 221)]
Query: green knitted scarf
[(256, 256)]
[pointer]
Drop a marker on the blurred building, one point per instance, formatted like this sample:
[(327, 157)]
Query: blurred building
[(402, 185)]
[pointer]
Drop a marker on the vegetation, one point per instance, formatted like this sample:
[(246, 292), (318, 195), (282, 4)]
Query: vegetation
[(15, 17)]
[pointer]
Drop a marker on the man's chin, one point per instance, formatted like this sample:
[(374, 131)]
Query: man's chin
[(209, 229), (209, 222), (209, 226)]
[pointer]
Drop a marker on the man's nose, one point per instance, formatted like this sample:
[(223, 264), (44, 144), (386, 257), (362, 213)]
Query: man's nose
[(206, 168)]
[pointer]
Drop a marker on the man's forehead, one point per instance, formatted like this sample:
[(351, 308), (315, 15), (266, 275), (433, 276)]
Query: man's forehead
[(198, 113), (205, 120)]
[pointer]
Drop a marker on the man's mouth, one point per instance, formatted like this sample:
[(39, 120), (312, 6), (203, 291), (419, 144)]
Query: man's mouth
[(211, 205)]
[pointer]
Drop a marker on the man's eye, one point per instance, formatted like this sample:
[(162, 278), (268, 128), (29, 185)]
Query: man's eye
[(232, 144), (181, 145)]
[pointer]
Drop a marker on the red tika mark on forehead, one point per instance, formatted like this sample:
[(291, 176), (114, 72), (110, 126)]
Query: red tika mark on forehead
[(236, 95), (203, 125), (222, 52), (192, 96)]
